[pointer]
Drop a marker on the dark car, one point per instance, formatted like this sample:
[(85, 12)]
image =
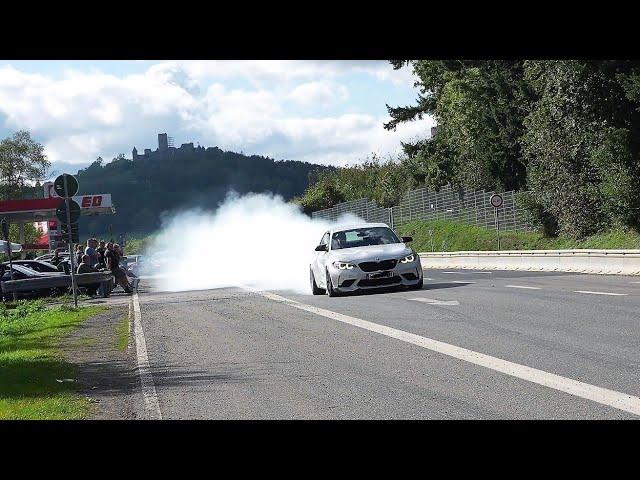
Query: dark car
[(38, 266), (20, 272)]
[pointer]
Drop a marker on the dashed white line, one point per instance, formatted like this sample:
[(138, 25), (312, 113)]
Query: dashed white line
[(601, 293), (152, 406), (524, 287), (619, 400), (461, 281), (432, 301)]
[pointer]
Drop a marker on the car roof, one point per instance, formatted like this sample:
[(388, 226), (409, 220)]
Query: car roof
[(341, 228)]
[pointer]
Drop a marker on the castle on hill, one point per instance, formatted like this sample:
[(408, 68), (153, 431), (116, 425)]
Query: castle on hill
[(166, 149)]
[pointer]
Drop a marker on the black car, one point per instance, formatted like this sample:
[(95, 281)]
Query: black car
[(20, 272), (38, 266)]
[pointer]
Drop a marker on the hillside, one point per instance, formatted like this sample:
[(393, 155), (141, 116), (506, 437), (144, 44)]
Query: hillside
[(145, 188)]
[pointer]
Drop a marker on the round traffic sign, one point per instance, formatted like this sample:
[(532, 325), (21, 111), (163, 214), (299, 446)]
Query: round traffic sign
[(72, 185), (496, 200), (74, 211)]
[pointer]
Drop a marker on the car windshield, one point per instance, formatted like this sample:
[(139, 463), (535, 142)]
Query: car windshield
[(363, 237), (25, 270)]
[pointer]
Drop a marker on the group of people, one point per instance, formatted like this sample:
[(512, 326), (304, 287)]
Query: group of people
[(101, 256)]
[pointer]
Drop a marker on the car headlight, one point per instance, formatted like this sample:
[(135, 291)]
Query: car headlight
[(408, 259), (343, 265)]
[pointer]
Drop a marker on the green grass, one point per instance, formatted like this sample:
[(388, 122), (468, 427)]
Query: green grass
[(31, 363), (122, 331), (450, 237)]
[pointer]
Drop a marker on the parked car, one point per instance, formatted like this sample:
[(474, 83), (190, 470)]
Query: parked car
[(37, 265), (365, 256), (134, 262), (20, 272)]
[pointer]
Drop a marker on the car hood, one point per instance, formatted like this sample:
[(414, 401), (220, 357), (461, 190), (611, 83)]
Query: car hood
[(371, 253)]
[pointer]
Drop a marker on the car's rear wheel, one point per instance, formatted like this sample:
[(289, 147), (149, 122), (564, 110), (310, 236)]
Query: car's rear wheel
[(330, 290), (314, 287)]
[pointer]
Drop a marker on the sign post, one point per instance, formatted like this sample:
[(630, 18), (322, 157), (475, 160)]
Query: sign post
[(66, 186), (496, 202)]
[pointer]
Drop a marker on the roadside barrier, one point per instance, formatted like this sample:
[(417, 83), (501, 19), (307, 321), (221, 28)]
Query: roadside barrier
[(606, 262), (57, 281)]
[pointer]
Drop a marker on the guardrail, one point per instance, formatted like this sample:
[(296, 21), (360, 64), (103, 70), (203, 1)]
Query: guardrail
[(57, 281), (609, 262)]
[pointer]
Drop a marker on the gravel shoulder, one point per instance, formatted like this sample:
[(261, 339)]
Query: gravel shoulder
[(106, 375)]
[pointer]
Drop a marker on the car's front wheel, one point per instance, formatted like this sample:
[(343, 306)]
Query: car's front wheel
[(314, 287), (330, 290)]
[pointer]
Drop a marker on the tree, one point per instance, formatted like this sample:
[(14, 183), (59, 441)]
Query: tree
[(479, 107), (22, 162), (582, 144)]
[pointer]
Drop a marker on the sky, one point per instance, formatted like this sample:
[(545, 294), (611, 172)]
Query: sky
[(327, 112)]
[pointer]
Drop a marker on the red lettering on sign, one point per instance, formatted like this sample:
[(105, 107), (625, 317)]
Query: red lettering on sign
[(86, 202), (97, 201)]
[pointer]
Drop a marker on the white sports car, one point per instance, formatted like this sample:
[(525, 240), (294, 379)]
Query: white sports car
[(364, 256)]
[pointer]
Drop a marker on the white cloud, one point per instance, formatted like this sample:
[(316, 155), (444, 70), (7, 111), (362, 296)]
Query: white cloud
[(275, 108), (318, 94)]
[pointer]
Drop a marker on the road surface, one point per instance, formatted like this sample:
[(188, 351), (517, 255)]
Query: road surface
[(469, 345)]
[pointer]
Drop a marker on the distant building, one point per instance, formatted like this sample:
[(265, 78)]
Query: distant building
[(433, 131), (163, 142), (166, 148)]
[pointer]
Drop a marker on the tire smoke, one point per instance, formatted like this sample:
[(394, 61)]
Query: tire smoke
[(254, 240)]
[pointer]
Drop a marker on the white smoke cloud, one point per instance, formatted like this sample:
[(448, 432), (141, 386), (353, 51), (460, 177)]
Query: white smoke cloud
[(255, 240)]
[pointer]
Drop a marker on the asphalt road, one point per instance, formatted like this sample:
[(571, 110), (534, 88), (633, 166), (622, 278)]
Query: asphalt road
[(236, 354)]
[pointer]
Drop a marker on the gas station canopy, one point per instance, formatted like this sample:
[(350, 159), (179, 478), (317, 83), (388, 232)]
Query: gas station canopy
[(42, 209)]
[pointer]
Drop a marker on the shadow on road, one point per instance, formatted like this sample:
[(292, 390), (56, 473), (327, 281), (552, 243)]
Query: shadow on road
[(427, 286)]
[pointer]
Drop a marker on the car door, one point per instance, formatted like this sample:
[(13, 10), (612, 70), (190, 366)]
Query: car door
[(319, 262)]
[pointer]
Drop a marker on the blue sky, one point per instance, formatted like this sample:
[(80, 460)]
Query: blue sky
[(328, 112)]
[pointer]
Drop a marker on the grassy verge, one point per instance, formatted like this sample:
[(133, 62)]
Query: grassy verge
[(35, 381), (122, 332), (448, 236)]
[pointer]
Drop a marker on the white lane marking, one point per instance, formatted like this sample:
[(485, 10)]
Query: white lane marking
[(604, 396), (460, 281), (600, 293), (432, 301), (635, 282), (152, 406), (488, 273), (522, 286), (458, 273)]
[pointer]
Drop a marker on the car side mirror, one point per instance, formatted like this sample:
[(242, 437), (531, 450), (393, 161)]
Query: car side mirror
[(407, 239), (321, 248)]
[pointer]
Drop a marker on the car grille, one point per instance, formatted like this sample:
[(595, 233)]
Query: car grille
[(378, 282), (375, 266)]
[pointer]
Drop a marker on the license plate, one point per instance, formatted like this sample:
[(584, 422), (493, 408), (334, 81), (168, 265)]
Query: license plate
[(379, 275)]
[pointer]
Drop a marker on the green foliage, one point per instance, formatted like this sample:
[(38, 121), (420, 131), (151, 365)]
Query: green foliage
[(122, 333), (35, 381), (383, 181), (449, 236), (581, 144), (479, 107), (22, 161)]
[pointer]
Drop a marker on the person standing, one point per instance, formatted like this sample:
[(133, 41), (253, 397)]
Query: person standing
[(101, 250), (92, 244)]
